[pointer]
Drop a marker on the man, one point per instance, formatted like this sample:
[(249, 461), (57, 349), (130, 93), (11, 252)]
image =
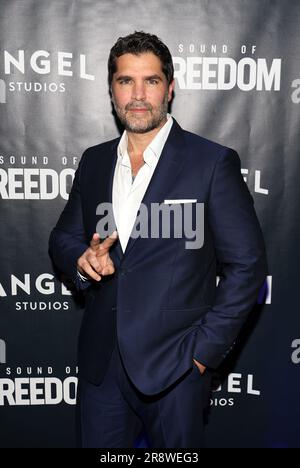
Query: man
[(155, 324)]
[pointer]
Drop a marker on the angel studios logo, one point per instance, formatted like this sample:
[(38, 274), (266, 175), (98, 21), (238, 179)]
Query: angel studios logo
[(42, 292), (224, 393), (29, 69)]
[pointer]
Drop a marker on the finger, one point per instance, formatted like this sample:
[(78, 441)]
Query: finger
[(95, 241), (87, 269), (109, 241), (92, 260), (108, 269)]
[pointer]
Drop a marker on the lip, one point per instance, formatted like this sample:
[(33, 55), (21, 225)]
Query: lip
[(138, 110)]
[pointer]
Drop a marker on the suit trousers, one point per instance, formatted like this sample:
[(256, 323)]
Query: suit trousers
[(113, 414)]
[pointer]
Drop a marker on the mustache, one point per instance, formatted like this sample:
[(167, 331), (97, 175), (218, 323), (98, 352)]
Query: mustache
[(143, 106)]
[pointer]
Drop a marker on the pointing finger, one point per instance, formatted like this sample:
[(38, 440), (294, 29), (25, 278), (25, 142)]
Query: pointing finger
[(109, 241)]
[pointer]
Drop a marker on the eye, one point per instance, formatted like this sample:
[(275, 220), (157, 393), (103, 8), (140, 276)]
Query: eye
[(153, 81), (125, 81)]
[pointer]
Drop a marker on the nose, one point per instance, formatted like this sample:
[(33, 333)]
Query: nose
[(139, 92)]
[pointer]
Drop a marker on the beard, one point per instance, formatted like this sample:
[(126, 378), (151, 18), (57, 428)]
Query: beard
[(143, 123)]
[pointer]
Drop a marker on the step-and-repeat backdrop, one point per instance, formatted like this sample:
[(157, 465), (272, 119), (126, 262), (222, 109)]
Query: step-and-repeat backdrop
[(237, 76)]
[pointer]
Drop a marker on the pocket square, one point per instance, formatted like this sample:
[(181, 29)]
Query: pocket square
[(180, 200)]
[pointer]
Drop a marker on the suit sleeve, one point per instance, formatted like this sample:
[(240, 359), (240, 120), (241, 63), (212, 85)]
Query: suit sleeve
[(240, 249), (67, 240)]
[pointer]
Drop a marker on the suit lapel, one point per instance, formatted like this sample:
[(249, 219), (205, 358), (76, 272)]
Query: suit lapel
[(164, 178), (99, 185), (114, 155), (166, 173)]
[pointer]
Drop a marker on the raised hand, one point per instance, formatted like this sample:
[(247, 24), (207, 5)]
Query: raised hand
[(95, 261)]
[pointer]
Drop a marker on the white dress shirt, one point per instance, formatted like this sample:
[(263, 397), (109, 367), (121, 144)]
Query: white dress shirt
[(128, 191)]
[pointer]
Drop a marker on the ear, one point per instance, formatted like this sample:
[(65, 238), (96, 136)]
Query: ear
[(171, 89)]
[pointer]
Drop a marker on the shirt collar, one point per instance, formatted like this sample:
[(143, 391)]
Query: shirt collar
[(154, 148)]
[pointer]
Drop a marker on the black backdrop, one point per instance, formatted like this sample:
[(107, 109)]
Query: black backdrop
[(238, 83)]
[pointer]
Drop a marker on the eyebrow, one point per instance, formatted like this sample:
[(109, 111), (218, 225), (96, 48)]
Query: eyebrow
[(150, 77)]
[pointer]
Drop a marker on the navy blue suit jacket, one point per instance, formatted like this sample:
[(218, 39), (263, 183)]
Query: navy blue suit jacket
[(162, 302)]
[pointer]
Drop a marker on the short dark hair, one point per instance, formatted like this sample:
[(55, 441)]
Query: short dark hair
[(137, 43)]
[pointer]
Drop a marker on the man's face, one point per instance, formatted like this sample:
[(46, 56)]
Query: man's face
[(140, 92)]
